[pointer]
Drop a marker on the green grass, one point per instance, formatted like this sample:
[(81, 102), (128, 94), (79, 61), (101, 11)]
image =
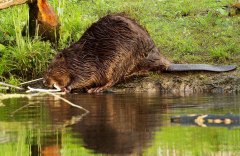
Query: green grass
[(185, 31)]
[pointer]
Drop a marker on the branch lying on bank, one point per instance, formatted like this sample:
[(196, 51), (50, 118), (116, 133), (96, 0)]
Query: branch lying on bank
[(4, 88), (11, 86)]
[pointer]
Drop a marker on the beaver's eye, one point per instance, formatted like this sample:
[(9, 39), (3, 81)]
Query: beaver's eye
[(59, 56)]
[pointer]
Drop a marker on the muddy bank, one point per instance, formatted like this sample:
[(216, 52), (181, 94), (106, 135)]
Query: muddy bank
[(184, 83), (179, 83)]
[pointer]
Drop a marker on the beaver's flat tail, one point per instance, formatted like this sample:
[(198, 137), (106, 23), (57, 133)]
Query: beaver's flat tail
[(200, 67)]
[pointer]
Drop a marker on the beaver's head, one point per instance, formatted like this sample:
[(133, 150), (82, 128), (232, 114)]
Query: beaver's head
[(57, 74)]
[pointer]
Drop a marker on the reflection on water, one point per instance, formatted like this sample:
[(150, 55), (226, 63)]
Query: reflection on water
[(123, 124)]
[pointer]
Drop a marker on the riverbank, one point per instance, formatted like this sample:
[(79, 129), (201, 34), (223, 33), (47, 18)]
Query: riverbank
[(178, 83), (184, 83), (184, 31)]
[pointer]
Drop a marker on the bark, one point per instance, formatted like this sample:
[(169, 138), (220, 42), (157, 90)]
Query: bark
[(8, 3)]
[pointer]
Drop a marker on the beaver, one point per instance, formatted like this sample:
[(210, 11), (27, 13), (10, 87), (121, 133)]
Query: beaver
[(112, 49)]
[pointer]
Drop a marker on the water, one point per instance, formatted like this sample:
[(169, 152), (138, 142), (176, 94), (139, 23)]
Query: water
[(118, 124)]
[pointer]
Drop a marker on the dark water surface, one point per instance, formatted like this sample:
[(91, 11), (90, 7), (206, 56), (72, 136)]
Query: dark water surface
[(121, 124)]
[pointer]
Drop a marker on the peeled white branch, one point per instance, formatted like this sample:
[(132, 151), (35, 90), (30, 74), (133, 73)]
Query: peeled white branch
[(42, 90)]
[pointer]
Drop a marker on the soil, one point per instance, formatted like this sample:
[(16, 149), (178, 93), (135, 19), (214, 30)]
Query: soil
[(183, 83)]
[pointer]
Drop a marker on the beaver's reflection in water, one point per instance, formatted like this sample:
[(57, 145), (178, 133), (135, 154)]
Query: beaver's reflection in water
[(117, 124)]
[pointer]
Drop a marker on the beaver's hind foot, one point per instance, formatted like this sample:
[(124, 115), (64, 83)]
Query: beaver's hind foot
[(102, 88)]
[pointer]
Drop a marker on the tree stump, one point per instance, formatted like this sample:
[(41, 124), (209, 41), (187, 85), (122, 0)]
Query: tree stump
[(43, 21)]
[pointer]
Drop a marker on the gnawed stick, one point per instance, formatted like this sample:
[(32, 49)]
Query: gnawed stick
[(57, 96), (11, 86), (42, 90)]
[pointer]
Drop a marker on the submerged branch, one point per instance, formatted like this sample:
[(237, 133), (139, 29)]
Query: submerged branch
[(49, 91), (70, 103)]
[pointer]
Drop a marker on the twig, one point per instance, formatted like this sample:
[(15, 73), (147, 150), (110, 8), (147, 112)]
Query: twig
[(11, 86), (57, 96), (32, 81)]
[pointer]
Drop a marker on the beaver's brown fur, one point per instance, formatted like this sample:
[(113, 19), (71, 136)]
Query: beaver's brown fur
[(112, 49)]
